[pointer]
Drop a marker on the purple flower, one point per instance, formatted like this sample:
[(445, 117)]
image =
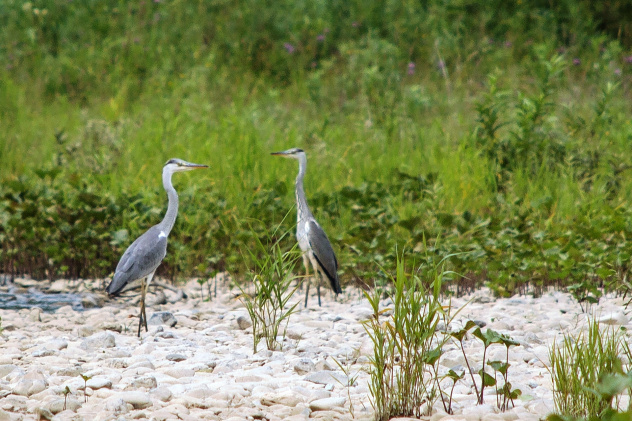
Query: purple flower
[(441, 65), (355, 24), (411, 68), (617, 72), (628, 59), (320, 37), (508, 44), (577, 61), (289, 47)]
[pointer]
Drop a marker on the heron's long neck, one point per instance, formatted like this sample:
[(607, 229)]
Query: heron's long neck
[(172, 210), (301, 202)]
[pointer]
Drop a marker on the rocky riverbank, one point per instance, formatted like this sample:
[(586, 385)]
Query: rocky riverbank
[(197, 360)]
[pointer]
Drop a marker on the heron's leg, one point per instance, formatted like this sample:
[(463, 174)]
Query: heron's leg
[(315, 269), (306, 263), (142, 305), (149, 278)]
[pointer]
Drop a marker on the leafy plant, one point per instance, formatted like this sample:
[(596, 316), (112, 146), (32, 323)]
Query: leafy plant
[(609, 388), (66, 391), (406, 345), (505, 394), (85, 386), (268, 306), (579, 366)]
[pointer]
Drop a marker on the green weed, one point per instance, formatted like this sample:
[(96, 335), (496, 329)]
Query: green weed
[(406, 344), (584, 369), (492, 128), (268, 306)]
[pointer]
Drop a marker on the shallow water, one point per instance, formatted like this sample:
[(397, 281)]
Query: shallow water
[(36, 298)]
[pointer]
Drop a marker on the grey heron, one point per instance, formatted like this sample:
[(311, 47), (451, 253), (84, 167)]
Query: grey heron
[(141, 259), (311, 237)]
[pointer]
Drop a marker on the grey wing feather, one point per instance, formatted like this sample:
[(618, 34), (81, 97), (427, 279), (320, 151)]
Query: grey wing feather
[(140, 259), (324, 253)]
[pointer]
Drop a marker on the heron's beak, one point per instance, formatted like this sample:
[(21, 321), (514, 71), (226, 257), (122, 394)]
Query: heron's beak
[(192, 166), (282, 153)]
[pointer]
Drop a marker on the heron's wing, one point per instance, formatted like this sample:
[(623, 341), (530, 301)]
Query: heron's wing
[(140, 259), (324, 253)]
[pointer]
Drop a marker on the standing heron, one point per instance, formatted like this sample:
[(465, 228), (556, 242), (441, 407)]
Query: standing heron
[(311, 238), (141, 259)]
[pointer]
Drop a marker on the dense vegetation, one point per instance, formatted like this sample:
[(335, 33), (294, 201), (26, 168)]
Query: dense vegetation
[(499, 131)]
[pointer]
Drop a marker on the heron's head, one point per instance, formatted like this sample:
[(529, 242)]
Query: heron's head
[(178, 165), (294, 153)]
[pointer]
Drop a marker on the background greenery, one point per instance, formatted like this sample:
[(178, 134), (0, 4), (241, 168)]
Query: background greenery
[(499, 130)]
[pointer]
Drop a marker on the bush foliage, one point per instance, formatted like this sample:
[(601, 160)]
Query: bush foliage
[(499, 131)]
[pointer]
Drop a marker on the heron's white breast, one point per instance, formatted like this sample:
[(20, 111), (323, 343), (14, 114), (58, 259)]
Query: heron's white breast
[(302, 229)]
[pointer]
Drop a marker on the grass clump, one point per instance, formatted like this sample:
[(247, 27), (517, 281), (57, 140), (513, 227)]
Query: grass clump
[(589, 371), (407, 346), (268, 307)]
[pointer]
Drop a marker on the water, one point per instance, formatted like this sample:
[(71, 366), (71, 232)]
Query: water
[(36, 298)]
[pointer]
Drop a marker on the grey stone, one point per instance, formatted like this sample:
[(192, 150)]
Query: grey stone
[(69, 371), (44, 413), (98, 341), (162, 318), (89, 300), (327, 377), (43, 353), (57, 344), (6, 369), (117, 405), (287, 398), (176, 357), (57, 406), (85, 331), (304, 366), (148, 382), (162, 393), (138, 400), (117, 363), (114, 327), (99, 383), (243, 322), (480, 323), (178, 372), (35, 314), (327, 404), (28, 387)]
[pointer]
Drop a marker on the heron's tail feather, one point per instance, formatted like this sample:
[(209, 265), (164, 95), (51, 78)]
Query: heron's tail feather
[(116, 286), (333, 278)]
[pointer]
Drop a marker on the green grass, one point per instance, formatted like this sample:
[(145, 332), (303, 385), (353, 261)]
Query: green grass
[(584, 369), (393, 158)]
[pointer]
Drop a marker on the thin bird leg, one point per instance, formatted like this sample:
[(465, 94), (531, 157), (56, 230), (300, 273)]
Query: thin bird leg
[(148, 279), (306, 263), (142, 305), (145, 308)]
